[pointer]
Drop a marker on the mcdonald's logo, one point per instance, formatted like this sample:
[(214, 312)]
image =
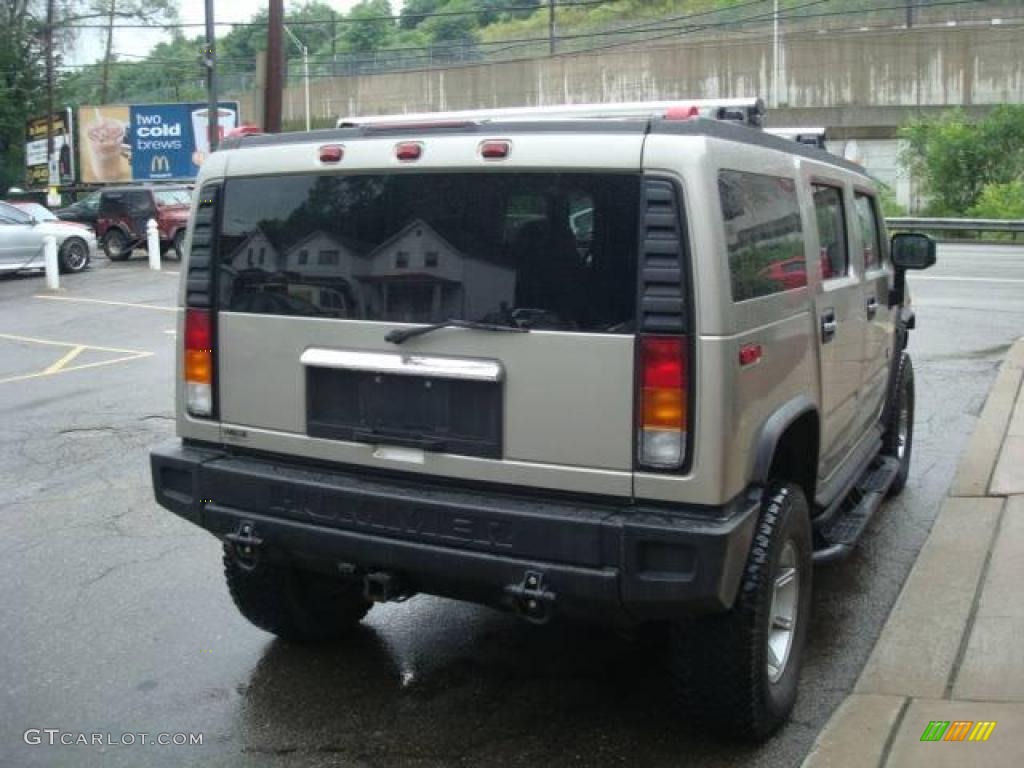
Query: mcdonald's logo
[(958, 730), (160, 164)]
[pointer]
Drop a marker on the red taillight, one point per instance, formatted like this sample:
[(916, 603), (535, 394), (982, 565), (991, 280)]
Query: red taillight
[(198, 362), (663, 402), (407, 151), (331, 153), (495, 150)]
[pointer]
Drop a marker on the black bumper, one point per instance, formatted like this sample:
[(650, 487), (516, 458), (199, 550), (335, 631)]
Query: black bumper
[(617, 561)]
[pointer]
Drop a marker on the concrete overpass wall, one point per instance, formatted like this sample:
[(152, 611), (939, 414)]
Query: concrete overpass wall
[(895, 72)]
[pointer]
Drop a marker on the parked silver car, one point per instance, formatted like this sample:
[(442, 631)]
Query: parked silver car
[(21, 240)]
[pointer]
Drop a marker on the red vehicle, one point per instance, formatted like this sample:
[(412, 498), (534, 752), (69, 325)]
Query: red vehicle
[(124, 212)]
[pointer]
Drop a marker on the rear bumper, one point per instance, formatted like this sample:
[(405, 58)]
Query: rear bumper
[(612, 561)]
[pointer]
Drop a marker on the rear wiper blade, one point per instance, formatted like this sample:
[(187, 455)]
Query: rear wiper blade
[(397, 337)]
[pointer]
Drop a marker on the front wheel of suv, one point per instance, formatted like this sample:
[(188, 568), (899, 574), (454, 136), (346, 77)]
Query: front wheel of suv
[(898, 440), (737, 672), (295, 605)]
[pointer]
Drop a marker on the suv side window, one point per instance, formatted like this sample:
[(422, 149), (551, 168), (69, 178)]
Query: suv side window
[(763, 234), (867, 217), (832, 238)]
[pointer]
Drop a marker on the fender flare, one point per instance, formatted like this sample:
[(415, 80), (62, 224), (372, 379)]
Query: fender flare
[(772, 430)]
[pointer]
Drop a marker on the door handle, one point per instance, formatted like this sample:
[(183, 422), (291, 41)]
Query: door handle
[(872, 307), (828, 326)]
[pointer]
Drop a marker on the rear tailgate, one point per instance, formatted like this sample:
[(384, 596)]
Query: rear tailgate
[(317, 266)]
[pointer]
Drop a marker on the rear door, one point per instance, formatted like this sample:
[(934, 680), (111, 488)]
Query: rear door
[(316, 269), (841, 323), (878, 338)]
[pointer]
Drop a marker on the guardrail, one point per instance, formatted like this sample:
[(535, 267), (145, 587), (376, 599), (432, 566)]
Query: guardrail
[(956, 225)]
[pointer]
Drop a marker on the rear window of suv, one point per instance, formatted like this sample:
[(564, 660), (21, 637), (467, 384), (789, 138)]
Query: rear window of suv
[(763, 234), (539, 250)]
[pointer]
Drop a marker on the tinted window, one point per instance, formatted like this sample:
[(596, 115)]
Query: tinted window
[(831, 221), (430, 247), (869, 230), (762, 234)]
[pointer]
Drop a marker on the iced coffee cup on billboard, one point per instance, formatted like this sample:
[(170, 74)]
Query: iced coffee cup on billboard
[(201, 128), (106, 138)]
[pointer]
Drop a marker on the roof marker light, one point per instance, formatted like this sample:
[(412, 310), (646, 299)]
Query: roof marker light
[(408, 151), (495, 150), (331, 153)]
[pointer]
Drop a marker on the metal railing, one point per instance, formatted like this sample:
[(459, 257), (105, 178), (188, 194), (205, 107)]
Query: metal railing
[(978, 226)]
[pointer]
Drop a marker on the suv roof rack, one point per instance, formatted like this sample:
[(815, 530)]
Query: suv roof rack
[(747, 111), (812, 137)]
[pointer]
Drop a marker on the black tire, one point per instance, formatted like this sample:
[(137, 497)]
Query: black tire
[(116, 245), (897, 441), (73, 255), (719, 663), (178, 244), (295, 605)]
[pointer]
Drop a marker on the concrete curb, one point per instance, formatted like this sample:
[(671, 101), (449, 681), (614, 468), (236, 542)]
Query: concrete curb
[(916, 662)]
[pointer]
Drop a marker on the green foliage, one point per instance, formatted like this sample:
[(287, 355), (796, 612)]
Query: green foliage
[(956, 160), (887, 199), (21, 84), (367, 31), (1000, 201), (453, 29)]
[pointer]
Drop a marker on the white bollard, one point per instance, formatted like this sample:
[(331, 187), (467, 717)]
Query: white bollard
[(50, 262), (153, 244)]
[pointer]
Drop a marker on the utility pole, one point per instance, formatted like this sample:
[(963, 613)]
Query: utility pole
[(551, 27), (275, 64), (212, 108), (49, 79), (775, 55), (910, 13), (109, 52)]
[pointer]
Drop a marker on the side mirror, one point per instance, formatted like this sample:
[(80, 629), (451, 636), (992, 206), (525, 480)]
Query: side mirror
[(911, 250)]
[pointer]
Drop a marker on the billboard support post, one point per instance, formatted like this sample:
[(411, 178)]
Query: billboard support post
[(213, 115)]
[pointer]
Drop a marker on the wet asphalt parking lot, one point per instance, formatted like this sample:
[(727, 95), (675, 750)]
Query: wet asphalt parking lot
[(115, 618)]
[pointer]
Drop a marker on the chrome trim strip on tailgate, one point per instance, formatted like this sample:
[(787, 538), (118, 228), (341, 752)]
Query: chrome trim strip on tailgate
[(405, 365)]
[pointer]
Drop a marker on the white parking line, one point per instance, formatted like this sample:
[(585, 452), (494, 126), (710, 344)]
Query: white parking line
[(105, 301)]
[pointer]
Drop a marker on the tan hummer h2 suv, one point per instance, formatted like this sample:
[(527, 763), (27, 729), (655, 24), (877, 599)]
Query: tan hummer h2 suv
[(639, 363)]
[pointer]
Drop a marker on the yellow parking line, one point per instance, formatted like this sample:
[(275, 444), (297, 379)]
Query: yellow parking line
[(75, 352), (25, 376), (32, 340), (110, 303)]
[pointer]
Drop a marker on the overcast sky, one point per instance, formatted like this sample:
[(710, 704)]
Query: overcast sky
[(131, 43)]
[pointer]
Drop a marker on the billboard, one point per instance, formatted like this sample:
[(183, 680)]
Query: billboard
[(42, 168), (148, 142)]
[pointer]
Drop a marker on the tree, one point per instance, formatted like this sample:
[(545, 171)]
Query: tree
[(415, 12), (141, 10), (366, 29), (955, 160), (1000, 201), (22, 75), (453, 29)]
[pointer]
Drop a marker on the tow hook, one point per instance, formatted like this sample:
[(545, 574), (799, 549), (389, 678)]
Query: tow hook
[(246, 545), (531, 599), (385, 587)]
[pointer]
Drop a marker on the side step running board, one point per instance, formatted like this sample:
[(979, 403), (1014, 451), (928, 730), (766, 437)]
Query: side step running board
[(842, 532)]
